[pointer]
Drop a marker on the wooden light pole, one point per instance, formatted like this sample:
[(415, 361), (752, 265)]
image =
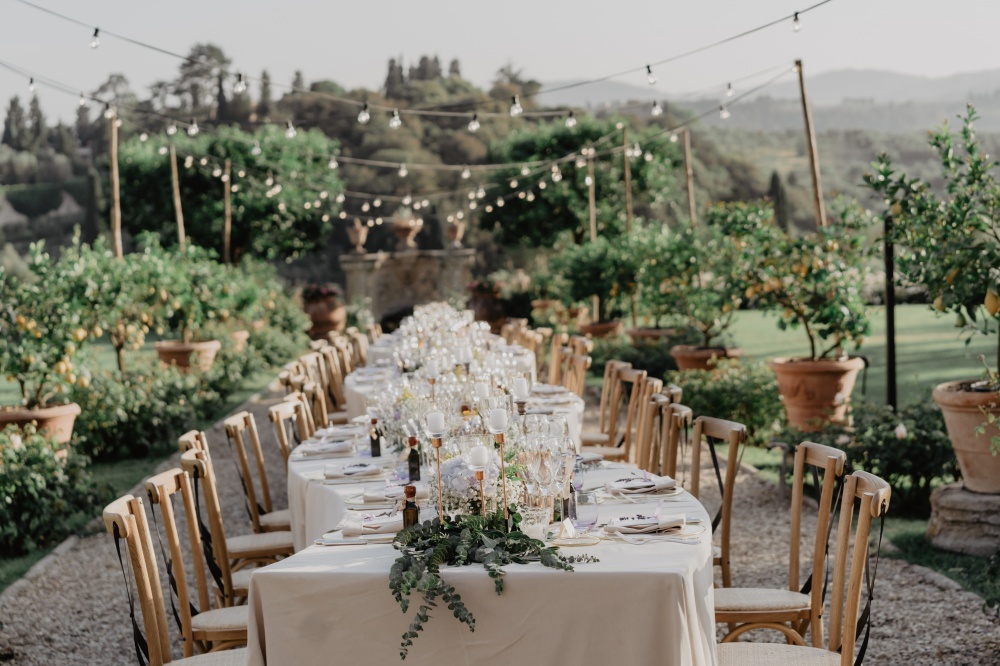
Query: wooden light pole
[(628, 183), (592, 198), (228, 227), (116, 205), (689, 177), (813, 153), (176, 186)]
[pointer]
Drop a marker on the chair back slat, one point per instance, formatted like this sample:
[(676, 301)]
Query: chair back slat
[(646, 431), (555, 358), (284, 415), (241, 428), (199, 465)]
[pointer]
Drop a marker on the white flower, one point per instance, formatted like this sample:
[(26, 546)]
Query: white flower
[(843, 440), (900, 431), (839, 399), (15, 442)]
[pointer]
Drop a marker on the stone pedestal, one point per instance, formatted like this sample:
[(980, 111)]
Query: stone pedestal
[(964, 522), (395, 281)]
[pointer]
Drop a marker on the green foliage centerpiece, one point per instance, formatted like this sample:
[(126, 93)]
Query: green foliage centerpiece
[(461, 541)]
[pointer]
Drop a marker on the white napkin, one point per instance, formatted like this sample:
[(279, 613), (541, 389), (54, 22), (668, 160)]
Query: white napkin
[(375, 525), (393, 493), (316, 447), (553, 401), (548, 389), (587, 457), (340, 432), (352, 471), (638, 485), (645, 524)]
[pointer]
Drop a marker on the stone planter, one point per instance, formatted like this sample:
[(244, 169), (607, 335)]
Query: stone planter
[(602, 329), (327, 315), (963, 521), (406, 230), (357, 233), (816, 392), (239, 340), (56, 420), (188, 355), (964, 411), (689, 357), (456, 231)]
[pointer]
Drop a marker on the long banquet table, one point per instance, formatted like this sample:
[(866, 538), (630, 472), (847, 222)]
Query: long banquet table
[(639, 604)]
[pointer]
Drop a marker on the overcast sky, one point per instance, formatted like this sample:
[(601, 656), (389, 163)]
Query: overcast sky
[(552, 40)]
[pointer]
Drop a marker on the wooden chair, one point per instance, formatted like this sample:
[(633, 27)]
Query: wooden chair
[(374, 331), (735, 434), (675, 424), (211, 630), (307, 423), (600, 437), (541, 356), (626, 396), (335, 375), (647, 430), (287, 417), (317, 369), (575, 376), (289, 370), (232, 555), (241, 429), (559, 340), (125, 520), (873, 495), (791, 611)]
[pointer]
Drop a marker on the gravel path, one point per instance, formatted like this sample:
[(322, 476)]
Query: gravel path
[(74, 610)]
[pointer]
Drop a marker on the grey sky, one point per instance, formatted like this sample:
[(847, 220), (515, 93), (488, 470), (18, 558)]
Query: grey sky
[(551, 40)]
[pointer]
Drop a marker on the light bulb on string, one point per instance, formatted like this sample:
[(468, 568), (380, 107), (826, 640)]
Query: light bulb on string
[(342, 215), (636, 150), (193, 128), (325, 218), (426, 203), (650, 77), (240, 86), (795, 70), (556, 174), (513, 183), (472, 195), (474, 123), (570, 121), (188, 162), (489, 208), (340, 198), (530, 196), (520, 195), (407, 200), (216, 172), (729, 90), (403, 172), (363, 115), (724, 113), (333, 163), (269, 181), (472, 205), (673, 137), (256, 148), (657, 110), (95, 41), (290, 130), (118, 122), (109, 111), (581, 162), (163, 150), (525, 170), (480, 192), (466, 174), (416, 205), (377, 203), (588, 181), (796, 24), (143, 137), (322, 195), (460, 215), (31, 84), (83, 100), (500, 202), (395, 122), (515, 107), (648, 156), (365, 207), (541, 184)]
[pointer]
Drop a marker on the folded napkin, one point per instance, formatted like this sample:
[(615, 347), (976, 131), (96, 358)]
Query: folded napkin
[(340, 432), (645, 524), (317, 447), (587, 457), (393, 493), (375, 525), (351, 471), (552, 401), (637, 485), (547, 389)]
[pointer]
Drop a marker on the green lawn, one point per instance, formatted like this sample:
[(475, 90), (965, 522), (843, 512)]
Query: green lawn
[(928, 349)]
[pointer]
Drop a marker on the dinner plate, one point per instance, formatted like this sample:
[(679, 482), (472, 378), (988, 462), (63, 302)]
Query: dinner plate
[(548, 389), (571, 542), (360, 540)]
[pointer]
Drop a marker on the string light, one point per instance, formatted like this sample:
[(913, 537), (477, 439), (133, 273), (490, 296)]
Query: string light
[(525, 170), (500, 202), (163, 150), (365, 207), (290, 129), (426, 203), (143, 137), (657, 110), (377, 203), (83, 100), (515, 107), (724, 113), (530, 196), (541, 184), (407, 200), (342, 215), (472, 205), (729, 90), (673, 137), (472, 195), (109, 111), (363, 115), (118, 122), (489, 208), (340, 198), (648, 156), (256, 148), (556, 174), (581, 162), (796, 24), (395, 122), (650, 77), (795, 68), (216, 172), (188, 162), (466, 174), (403, 172), (95, 41), (513, 183), (192, 129), (474, 123), (570, 121), (31, 84), (416, 205), (480, 192), (333, 163)]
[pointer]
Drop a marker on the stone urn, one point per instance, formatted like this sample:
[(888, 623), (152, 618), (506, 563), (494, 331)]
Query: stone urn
[(54, 420), (327, 314), (406, 230), (456, 231), (816, 392), (357, 233)]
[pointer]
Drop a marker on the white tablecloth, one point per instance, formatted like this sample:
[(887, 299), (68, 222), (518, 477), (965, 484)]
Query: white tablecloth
[(649, 604)]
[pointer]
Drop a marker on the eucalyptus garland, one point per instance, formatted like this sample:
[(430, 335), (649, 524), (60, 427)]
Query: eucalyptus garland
[(461, 541)]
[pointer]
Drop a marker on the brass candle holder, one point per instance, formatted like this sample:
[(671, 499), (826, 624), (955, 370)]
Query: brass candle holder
[(432, 381), (480, 475), (521, 404), (436, 443), (499, 438)]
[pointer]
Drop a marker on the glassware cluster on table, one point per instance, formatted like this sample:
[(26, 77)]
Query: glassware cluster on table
[(447, 364)]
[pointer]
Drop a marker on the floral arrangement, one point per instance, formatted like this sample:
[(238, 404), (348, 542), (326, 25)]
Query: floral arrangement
[(460, 489), (461, 541), (320, 292)]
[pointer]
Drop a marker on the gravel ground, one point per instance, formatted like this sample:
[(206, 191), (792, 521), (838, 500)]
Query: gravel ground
[(73, 610)]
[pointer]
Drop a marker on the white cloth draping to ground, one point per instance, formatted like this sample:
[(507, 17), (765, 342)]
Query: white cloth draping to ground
[(639, 605)]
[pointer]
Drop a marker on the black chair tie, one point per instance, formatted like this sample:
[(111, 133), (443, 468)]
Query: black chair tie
[(243, 483), (206, 543), (170, 573), (807, 587), (141, 647), (718, 477), (865, 623)]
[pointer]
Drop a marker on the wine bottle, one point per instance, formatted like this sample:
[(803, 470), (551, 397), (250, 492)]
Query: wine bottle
[(413, 460), (376, 436), (411, 514)]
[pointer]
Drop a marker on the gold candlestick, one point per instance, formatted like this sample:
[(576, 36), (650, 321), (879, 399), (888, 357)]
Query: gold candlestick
[(432, 382), (436, 443), (520, 407), (500, 438), (480, 474)]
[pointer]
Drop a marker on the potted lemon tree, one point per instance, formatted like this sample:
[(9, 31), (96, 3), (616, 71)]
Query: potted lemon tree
[(950, 244), (814, 283), (602, 268)]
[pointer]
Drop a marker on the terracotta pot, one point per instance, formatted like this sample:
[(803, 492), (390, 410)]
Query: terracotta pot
[(327, 314), (689, 357), (649, 334), (240, 340), (187, 355), (965, 411), (406, 230), (56, 420), (816, 392), (602, 329), (258, 324)]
